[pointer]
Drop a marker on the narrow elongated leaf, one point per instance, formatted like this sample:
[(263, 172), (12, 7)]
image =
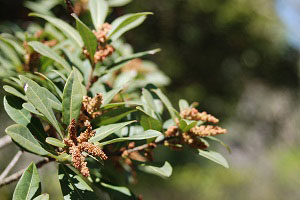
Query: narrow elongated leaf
[(72, 97), (120, 189), (13, 42), (38, 98), (13, 107), (146, 135), (219, 141), (52, 99), (73, 186), (29, 107), (54, 88), (166, 102), (107, 130), (10, 53), (55, 142), (28, 184), (215, 157), (15, 92), (118, 3), (112, 116), (98, 9), (88, 37), (129, 103), (124, 59), (183, 104), (107, 97), (126, 23), (63, 26), (149, 99), (42, 197), (49, 53), (149, 122), (21, 135), (160, 169)]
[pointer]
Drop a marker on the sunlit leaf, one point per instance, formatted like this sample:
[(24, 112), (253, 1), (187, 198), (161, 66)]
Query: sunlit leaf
[(215, 157), (98, 9), (160, 169)]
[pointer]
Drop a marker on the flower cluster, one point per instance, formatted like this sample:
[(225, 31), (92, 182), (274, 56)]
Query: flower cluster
[(90, 108), (77, 145), (193, 137), (103, 50)]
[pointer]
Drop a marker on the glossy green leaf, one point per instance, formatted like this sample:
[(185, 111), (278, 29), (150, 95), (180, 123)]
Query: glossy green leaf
[(149, 122), (160, 169), (124, 59), (118, 3), (142, 136), (15, 92), (219, 141), (63, 26), (54, 88), (166, 102), (183, 104), (98, 9), (88, 37), (112, 116), (28, 185), (29, 107), (73, 186), (105, 131), (107, 97), (42, 197), (37, 97), (126, 23), (215, 157), (186, 125), (129, 103), (49, 53), (72, 97), (119, 189), (21, 135), (14, 109), (55, 142), (149, 99)]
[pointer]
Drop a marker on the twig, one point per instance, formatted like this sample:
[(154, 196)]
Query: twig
[(69, 6), (12, 163), (90, 80), (16, 176), (5, 141)]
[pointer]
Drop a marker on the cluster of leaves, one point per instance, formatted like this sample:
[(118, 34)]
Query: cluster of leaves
[(50, 69)]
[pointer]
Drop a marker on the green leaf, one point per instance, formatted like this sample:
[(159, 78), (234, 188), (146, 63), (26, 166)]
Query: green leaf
[(149, 122), (107, 130), (124, 59), (142, 136), (166, 102), (88, 37), (112, 116), (49, 53), (118, 3), (63, 26), (129, 103), (186, 125), (15, 92), (21, 135), (183, 104), (53, 101), (72, 97), (219, 141), (126, 23), (13, 41), (37, 97), (119, 189), (107, 97), (215, 157), (28, 185), (10, 53), (29, 107), (54, 88), (42, 197), (149, 99), (73, 186), (55, 142), (163, 170), (13, 107), (98, 9)]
